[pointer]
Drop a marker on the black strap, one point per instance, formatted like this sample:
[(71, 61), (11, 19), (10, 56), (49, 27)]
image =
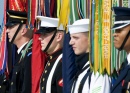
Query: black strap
[(79, 72), (83, 81), (127, 36), (89, 79), (45, 50), (20, 25), (76, 76), (74, 86)]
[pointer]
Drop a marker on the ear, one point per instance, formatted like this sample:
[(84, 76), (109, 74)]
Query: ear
[(23, 30), (129, 26), (59, 36)]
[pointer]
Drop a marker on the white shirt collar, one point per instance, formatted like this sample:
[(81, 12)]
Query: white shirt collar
[(18, 51), (128, 58)]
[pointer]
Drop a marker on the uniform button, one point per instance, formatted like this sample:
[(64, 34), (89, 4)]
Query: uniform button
[(11, 83), (42, 88), (48, 64), (0, 86), (22, 21), (50, 57), (16, 72), (127, 91), (43, 79), (45, 71)]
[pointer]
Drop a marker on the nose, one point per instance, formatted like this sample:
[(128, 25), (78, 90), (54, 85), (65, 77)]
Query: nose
[(114, 34), (71, 42), (7, 31), (40, 38)]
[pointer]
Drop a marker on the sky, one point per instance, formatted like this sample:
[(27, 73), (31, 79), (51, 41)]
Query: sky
[(1, 13)]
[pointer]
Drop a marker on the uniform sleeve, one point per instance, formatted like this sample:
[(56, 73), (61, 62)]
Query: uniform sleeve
[(26, 88)]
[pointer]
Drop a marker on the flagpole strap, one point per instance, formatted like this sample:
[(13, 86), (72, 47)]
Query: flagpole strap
[(42, 7), (58, 7), (47, 8), (100, 36), (39, 11), (125, 3), (102, 16), (53, 8), (106, 35), (96, 30), (88, 8), (73, 10), (92, 34), (29, 13), (3, 44), (79, 9)]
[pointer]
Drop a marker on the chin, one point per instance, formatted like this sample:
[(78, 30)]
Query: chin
[(9, 40), (42, 49), (77, 53), (117, 47)]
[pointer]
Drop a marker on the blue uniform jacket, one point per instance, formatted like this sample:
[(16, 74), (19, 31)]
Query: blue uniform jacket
[(118, 87)]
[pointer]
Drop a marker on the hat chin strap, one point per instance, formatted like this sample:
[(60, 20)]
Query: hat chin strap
[(16, 33), (51, 40), (122, 46)]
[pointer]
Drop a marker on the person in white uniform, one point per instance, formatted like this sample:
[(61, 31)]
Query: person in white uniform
[(85, 81), (79, 33)]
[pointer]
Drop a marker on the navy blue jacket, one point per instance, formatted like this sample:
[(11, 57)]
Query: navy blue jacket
[(121, 84)]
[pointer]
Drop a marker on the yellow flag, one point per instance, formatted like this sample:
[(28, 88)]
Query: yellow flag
[(106, 23), (64, 13), (96, 26)]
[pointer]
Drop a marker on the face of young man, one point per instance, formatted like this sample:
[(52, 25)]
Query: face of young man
[(11, 31), (119, 37), (45, 38), (79, 42)]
